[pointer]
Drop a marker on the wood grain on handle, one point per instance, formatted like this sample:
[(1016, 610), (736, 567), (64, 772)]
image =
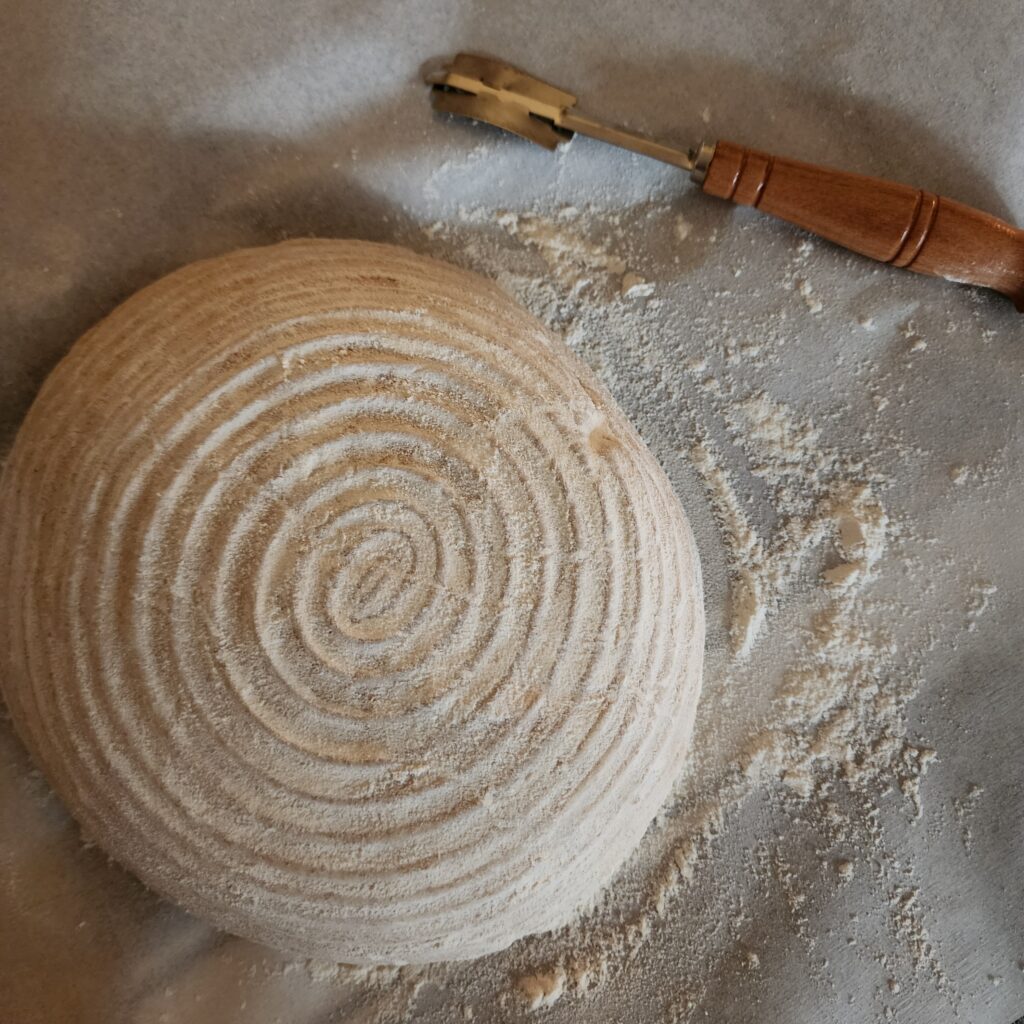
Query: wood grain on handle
[(894, 223)]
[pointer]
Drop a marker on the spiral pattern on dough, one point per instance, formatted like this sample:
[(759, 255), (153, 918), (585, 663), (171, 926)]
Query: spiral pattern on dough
[(344, 607)]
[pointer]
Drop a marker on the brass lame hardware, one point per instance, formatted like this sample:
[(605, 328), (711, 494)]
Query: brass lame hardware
[(490, 90)]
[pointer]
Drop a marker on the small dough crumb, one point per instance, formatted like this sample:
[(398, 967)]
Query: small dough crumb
[(843, 573), (636, 287), (544, 988), (600, 439), (807, 294)]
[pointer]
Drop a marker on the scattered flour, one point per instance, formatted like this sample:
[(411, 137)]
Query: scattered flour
[(909, 927), (964, 807), (748, 598), (837, 723), (683, 228), (809, 549), (812, 302), (574, 261), (981, 593)]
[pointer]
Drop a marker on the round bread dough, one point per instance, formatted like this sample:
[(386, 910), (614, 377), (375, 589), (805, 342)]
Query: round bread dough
[(344, 607)]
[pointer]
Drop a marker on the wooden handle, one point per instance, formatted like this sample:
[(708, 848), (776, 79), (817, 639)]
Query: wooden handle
[(894, 223)]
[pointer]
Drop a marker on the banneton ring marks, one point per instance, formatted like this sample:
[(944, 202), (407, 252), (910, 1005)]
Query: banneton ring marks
[(344, 607)]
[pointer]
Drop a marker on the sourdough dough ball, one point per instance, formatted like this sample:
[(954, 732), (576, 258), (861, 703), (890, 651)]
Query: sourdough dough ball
[(344, 607)]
